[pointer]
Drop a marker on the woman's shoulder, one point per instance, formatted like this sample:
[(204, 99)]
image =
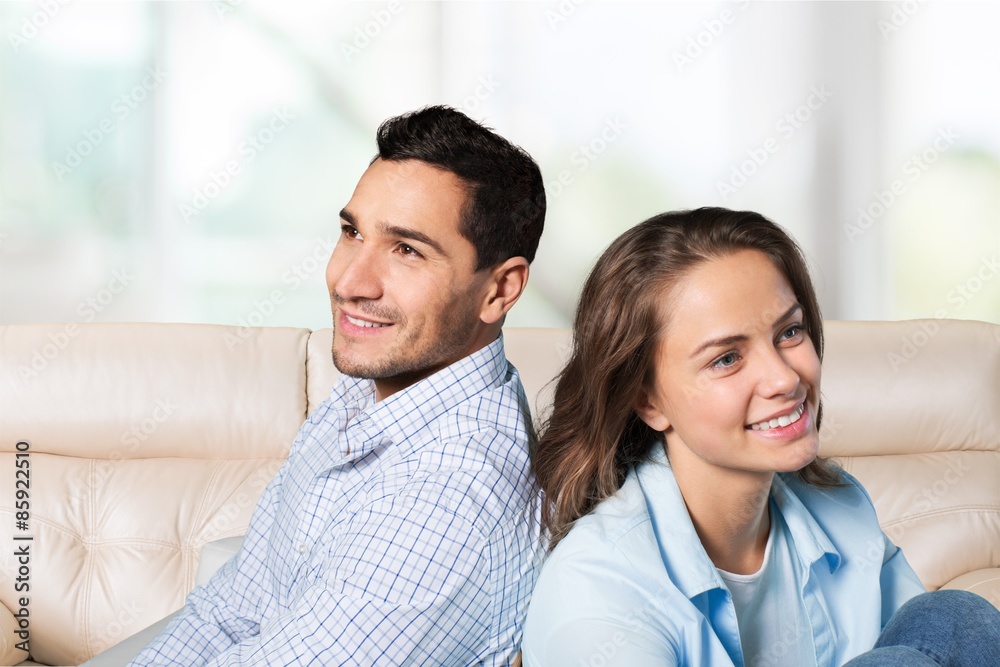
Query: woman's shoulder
[(611, 553), (619, 529), (845, 511), (849, 492), (605, 581)]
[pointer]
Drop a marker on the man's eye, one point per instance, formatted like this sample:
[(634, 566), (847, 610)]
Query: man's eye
[(350, 232), (408, 250)]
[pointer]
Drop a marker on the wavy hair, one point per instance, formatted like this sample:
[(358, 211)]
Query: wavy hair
[(593, 434)]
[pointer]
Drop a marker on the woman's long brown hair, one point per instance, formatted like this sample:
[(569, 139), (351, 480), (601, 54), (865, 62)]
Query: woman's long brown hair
[(593, 434)]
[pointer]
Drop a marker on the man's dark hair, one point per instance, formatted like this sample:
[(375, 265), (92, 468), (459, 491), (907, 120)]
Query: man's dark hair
[(505, 209)]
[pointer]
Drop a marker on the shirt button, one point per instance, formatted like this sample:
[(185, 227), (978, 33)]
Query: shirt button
[(302, 548)]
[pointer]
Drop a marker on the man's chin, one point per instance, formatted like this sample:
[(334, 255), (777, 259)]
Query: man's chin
[(353, 367), (366, 368), (344, 362)]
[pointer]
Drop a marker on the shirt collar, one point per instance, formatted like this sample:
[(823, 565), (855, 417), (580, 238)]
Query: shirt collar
[(811, 542), (684, 557), (371, 424)]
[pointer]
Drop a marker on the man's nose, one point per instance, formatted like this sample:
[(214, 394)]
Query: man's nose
[(355, 275)]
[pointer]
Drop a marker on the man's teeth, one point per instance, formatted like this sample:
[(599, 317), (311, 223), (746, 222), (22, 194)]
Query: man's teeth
[(364, 323), (783, 420)]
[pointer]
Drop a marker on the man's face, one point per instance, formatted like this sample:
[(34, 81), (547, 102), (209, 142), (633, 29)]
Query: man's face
[(405, 296)]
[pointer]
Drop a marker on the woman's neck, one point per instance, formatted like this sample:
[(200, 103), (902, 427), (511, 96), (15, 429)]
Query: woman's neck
[(729, 510)]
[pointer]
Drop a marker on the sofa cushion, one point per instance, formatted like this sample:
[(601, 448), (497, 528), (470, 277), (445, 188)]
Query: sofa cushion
[(146, 441)]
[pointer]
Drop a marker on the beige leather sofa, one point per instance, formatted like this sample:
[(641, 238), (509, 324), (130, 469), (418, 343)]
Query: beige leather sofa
[(149, 441)]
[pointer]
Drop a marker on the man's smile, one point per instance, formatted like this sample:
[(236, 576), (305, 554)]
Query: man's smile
[(364, 323)]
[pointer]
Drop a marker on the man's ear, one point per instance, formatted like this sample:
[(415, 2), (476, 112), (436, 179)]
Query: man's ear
[(506, 283), (651, 413)]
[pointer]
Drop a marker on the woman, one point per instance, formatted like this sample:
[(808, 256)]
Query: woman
[(691, 520)]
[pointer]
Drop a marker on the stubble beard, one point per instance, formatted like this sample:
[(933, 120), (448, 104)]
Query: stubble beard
[(411, 356)]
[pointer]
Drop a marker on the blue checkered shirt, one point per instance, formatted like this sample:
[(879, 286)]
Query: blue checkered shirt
[(403, 532)]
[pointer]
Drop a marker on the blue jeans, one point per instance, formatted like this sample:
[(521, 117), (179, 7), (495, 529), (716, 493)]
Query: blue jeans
[(955, 628)]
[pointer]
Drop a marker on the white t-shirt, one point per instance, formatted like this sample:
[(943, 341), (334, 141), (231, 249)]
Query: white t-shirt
[(773, 624)]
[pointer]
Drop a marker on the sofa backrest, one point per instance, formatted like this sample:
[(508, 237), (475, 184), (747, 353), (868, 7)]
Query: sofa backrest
[(146, 442), (912, 409), (149, 440)]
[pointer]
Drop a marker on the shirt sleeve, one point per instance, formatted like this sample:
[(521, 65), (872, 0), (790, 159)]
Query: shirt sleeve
[(589, 608), (222, 611), (898, 581), (407, 581)]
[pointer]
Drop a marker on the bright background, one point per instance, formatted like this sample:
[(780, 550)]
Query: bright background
[(118, 121)]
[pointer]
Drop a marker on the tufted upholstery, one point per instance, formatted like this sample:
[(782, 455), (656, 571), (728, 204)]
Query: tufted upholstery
[(148, 441)]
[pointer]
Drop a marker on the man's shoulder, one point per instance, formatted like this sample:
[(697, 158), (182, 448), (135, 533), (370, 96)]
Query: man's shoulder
[(478, 471), (489, 425)]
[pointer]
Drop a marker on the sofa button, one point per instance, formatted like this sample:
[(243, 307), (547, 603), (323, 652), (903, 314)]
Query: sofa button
[(302, 548)]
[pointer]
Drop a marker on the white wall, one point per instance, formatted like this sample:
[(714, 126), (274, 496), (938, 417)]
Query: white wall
[(808, 112)]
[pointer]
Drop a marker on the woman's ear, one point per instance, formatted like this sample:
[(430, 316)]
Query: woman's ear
[(649, 411)]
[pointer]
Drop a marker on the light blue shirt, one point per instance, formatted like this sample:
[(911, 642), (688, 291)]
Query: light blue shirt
[(632, 585), (399, 532)]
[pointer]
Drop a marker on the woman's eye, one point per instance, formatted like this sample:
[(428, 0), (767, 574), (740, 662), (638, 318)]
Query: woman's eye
[(792, 332), (726, 360)]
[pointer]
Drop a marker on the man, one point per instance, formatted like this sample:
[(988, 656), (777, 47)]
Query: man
[(403, 527)]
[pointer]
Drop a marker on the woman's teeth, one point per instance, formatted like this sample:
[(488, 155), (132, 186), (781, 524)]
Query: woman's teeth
[(783, 420)]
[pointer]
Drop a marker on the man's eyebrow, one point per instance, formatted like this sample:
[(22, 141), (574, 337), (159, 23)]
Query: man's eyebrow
[(413, 235), (346, 216), (725, 341)]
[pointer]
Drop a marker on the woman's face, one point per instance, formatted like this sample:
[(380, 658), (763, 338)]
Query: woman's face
[(736, 377)]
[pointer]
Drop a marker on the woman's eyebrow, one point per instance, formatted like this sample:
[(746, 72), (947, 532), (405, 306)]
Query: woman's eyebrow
[(724, 341)]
